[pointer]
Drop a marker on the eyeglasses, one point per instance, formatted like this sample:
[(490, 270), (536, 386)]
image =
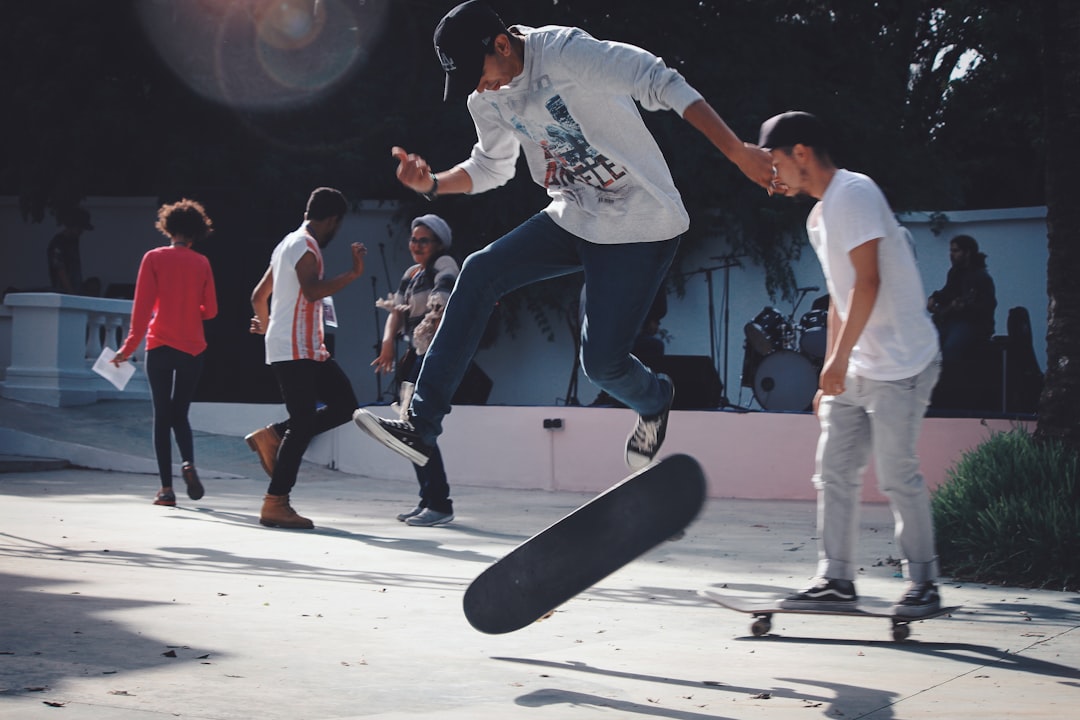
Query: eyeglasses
[(421, 240)]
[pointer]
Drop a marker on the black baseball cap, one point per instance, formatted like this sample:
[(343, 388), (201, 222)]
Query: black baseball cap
[(793, 128), (462, 38)]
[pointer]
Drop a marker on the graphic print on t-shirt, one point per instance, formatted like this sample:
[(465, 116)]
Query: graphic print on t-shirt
[(571, 160)]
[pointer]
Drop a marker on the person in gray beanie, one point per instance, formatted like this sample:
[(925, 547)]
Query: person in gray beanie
[(415, 312)]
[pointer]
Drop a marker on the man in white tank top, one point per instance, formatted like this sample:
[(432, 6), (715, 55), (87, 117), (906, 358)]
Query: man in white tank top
[(288, 304)]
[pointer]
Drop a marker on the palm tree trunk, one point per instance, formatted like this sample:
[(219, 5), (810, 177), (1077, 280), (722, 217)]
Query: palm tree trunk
[(1059, 404)]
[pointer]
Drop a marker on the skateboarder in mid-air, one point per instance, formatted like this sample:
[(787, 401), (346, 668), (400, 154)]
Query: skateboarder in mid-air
[(567, 101), (881, 365)]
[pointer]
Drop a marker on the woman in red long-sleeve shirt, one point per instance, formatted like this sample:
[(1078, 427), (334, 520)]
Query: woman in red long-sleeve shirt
[(174, 294)]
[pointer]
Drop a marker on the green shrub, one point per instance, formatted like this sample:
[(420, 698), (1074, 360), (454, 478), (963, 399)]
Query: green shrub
[(1009, 513)]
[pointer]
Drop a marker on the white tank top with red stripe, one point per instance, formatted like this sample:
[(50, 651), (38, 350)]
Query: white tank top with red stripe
[(295, 331)]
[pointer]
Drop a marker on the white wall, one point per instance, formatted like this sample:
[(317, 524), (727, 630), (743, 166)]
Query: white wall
[(745, 455), (529, 370)]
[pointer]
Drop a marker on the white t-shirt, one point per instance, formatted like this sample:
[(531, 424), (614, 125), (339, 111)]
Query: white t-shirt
[(295, 331), (899, 340), (572, 112)]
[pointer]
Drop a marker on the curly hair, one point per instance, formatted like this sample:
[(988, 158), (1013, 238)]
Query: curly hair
[(187, 218)]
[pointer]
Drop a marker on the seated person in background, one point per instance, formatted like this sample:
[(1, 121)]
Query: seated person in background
[(65, 261), (963, 310)]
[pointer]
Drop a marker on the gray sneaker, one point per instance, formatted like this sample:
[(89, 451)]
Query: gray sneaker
[(429, 518), (649, 432), (402, 517)]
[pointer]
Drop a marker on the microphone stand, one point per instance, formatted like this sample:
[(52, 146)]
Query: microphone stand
[(727, 262), (378, 338), (378, 334)]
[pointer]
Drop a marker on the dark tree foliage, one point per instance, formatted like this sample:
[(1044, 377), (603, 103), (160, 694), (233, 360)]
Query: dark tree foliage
[(94, 109)]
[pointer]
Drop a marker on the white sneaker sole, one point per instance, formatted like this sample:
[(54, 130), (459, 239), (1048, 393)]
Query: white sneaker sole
[(370, 424), (442, 521), (636, 461)]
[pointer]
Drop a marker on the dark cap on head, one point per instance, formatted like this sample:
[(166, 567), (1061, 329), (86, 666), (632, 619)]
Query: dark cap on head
[(793, 128), (462, 38)]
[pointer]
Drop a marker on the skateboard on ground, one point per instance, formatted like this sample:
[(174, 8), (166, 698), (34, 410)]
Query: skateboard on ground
[(762, 611), (651, 506)]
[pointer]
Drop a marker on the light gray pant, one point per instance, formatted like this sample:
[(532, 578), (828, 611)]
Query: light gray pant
[(884, 417)]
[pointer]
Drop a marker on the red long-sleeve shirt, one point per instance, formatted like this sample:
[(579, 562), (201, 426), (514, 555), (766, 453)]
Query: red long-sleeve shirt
[(174, 293)]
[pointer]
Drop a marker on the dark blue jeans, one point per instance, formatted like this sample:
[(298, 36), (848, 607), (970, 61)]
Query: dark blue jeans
[(173, 375), (304, 385), (434, 487), (621, 281)]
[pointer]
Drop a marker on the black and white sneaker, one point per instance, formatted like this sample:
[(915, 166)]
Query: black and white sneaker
[(921, 598), (823, 594), (398, 435), (648, 435)]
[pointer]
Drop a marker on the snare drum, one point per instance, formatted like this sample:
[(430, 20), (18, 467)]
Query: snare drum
[(785, 380), (813, 334), (768, 332)]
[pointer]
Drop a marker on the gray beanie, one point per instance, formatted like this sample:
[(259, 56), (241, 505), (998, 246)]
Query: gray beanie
[(437, 225)]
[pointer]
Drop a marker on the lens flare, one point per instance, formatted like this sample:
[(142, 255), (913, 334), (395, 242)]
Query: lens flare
[(262, 54)]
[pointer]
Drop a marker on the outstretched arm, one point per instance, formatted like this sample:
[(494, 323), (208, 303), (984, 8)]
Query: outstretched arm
[(414, 173), (307, 272), (754, 162)]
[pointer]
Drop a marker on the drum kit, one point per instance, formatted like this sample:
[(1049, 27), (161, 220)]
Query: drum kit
[(783, 359)]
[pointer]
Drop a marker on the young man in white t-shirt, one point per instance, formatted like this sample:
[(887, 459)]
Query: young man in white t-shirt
[(569, 103), (880, 368), (288, 304)]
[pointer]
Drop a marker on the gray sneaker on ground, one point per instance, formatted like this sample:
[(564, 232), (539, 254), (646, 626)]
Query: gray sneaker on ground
[(429, 518), (402, 517)]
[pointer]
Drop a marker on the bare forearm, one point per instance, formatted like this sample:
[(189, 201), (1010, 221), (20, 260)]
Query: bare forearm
[(325, 288), (860, 305), (708, 122), (755, 163), (454, 181)]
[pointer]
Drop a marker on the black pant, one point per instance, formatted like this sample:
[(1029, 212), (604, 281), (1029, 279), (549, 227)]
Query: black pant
[(304, 384), (173, 376)]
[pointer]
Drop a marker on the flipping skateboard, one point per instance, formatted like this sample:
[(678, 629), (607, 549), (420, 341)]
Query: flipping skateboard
[(651, 506), (763, 610)]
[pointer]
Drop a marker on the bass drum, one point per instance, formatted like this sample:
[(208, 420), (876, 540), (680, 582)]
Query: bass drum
[(785, 380)]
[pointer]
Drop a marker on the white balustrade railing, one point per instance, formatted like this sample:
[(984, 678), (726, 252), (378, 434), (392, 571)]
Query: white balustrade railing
[(54, 341)]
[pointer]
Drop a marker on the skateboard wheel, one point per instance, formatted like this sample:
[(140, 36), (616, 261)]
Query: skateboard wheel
[(760, 627), (901, 632)]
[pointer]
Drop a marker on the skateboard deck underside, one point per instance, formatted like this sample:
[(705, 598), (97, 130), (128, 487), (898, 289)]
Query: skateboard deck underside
[(584, 547)]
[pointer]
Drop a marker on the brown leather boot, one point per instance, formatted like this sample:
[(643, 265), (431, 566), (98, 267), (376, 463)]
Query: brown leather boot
[(265, 442), (277, 512)]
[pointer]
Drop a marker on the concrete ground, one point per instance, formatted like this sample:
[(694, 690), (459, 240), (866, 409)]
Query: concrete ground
[(113, 608)]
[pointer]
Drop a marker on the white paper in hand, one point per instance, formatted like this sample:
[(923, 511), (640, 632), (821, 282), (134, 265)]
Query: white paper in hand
[(118, 376), (329, 313)]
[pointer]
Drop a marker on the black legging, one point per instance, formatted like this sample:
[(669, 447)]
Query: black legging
[(173, 375)]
